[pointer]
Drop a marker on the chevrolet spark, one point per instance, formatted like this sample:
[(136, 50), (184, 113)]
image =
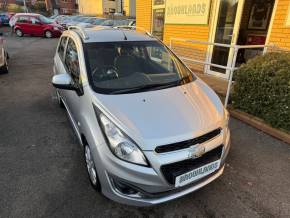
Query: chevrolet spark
[(151, 131)]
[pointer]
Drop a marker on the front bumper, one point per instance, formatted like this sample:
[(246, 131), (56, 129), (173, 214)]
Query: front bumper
[(149, 182)]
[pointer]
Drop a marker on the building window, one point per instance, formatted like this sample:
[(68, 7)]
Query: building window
[(112, 10), (158, 2)]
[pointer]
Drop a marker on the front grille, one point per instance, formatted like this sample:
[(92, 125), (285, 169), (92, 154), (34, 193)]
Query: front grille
[(188, 143), (171, 171)]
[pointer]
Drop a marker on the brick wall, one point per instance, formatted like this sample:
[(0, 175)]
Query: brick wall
[(67, 6), (280, 33)]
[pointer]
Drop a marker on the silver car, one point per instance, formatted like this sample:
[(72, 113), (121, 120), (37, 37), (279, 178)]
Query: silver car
[(4, 57), (151, 130)]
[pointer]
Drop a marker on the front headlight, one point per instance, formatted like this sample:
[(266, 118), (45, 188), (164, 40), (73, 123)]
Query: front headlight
[(120, 144), (55, 28)]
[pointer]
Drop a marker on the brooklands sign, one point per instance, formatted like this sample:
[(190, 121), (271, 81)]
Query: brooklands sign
[(187, 11)]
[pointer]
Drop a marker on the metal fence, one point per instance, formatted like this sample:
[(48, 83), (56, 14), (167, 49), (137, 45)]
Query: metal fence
[(231, 66)]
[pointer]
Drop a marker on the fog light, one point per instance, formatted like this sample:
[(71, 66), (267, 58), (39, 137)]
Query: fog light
[(125, 189)]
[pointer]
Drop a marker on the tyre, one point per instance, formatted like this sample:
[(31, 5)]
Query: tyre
[(48, 34), (60, 103), (91, 169), (19, 33)]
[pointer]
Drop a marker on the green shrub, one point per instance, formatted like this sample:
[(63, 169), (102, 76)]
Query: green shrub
[(262, 88), (15, 8)]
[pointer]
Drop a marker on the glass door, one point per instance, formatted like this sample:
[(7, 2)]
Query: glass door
[(158, 14), (227, 25)]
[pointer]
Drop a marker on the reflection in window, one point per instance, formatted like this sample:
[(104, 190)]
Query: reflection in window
[(72, 61)]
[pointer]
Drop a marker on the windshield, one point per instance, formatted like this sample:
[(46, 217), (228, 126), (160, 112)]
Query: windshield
[(129, 67), (121, 22), (45, 20), (99, 21), (86, 19), (78, 18), (91, 20), (108, 23)]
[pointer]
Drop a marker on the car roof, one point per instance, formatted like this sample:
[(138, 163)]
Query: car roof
[(27, 14), (108, 34)]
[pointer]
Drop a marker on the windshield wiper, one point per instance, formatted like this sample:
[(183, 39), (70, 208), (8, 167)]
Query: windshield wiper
[(147, 87), (154, 86)]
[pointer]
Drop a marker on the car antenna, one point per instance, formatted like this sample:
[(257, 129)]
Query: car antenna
[(125, 37)]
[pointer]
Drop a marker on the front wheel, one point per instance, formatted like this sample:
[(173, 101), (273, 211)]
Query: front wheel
[(19, 32), (91, 168), (48, 34)]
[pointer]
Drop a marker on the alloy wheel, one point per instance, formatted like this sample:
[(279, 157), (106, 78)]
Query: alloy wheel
[(48, 34), (19, 33), (90, 165)]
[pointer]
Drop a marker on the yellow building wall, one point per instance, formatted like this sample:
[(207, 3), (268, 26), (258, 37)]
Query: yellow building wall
[(144, 14), (187, 49), (194, 32), (280, 33), (91, 7), (126, 7), (191, 32)]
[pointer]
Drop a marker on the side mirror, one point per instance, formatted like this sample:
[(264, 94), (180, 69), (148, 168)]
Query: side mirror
[(63, 81)]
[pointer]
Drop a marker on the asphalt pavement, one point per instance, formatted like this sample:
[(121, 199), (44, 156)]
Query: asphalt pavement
[(42, 171)]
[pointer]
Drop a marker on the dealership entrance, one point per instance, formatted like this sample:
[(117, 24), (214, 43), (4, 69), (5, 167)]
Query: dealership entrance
[(225, 22), (237, 22)]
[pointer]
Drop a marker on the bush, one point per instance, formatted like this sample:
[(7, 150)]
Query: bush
[(262, 88), (15, 8)]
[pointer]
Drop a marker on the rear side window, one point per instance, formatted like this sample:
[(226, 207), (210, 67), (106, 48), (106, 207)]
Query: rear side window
[(61, 47), (23, 19), (72, 61)]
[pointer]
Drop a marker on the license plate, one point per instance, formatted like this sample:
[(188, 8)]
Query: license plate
[(196, 174)]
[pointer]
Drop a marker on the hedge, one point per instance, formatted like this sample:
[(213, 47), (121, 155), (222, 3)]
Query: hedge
[(262, 88)]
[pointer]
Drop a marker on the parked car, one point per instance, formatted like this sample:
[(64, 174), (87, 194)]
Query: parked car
[(99, 21), (130, 25), (92, 22), (36, 25), (4, 57), (151, 130), (62, 20), (80, 20), (117, 23), (4, 19), (54, 16)]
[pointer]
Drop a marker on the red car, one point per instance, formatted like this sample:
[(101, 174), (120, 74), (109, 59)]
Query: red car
[(35, 25)]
